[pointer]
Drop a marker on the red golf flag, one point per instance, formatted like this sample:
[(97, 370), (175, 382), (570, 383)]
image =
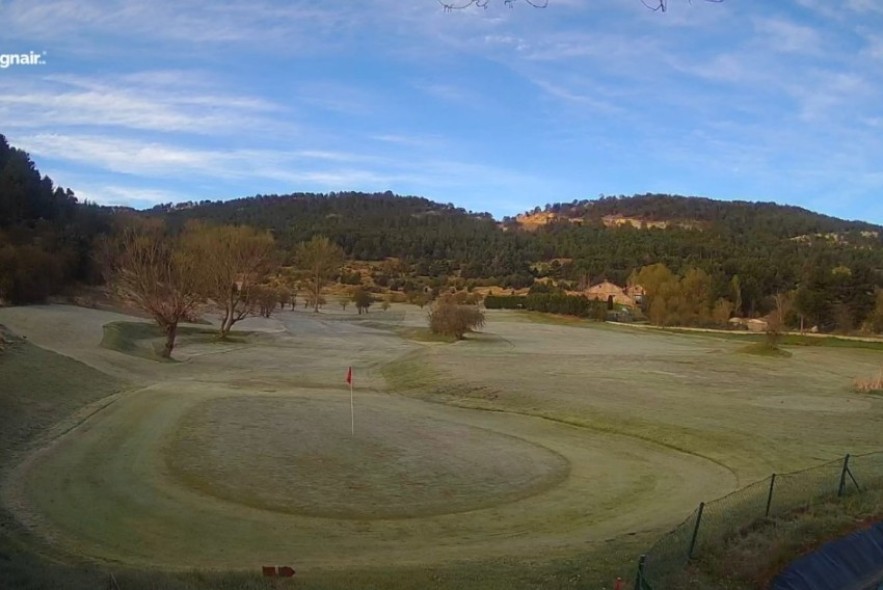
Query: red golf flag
[(349, 376)]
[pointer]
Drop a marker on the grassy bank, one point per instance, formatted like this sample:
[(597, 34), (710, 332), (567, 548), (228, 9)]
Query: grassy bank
[(750, 559)]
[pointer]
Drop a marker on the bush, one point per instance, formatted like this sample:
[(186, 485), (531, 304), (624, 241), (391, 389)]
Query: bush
[(363, 300), (576, 305), (28, 274), (451, 319)]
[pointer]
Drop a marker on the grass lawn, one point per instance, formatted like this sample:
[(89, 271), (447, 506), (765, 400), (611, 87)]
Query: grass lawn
[(532, 454)]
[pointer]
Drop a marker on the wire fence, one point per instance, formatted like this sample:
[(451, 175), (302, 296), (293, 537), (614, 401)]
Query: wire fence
[(776, 495)]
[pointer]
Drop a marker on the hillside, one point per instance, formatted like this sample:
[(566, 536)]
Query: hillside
[(662, 211), (765, 248), (435, 240)]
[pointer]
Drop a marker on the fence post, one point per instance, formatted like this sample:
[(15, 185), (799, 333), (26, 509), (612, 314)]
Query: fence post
[(769, 499), (696, 530), (843, 473), (639, 579)]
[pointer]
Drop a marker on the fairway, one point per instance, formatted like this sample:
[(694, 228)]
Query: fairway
[(531, 441)]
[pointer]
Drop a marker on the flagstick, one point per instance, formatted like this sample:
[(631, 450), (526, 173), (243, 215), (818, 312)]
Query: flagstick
[(352, 411)]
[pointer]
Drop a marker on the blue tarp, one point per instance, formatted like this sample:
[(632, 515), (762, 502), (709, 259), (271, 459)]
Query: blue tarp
[(851, 563)]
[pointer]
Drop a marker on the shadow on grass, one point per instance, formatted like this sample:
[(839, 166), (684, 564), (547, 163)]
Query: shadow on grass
[(765, 349), (145, 340)]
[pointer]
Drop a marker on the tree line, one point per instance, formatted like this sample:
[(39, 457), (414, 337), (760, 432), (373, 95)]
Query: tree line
[(45, 232), (829, 268), (557, 303)]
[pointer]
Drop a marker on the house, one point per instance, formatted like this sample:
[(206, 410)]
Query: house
[(636, 292), (757, 325), (610, 292)]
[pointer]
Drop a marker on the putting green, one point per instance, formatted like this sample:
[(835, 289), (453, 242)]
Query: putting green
[(300, 456)]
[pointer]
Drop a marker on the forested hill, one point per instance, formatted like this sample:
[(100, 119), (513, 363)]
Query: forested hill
[(768, 248), (438, 239), (737, 216)]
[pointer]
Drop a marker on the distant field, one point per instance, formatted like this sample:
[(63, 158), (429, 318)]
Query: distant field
[(555, 446)]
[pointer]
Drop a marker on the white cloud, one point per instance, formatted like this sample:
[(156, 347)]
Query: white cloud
[(453, 93), (290, 26), (409, 140), (304, 169), (127, 196), (865, 6), (126, 156), (144, 101), (788, 36)]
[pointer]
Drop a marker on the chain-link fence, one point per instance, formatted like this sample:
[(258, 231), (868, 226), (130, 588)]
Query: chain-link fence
[(776, 495)]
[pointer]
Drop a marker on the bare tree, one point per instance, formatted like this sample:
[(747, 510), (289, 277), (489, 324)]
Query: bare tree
[(662, 5), (776, 318), (320, 259), (266, 298), (156, 272), (233, 262)]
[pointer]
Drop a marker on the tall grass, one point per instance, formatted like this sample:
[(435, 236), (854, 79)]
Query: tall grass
[(869, 384), (751, 558)]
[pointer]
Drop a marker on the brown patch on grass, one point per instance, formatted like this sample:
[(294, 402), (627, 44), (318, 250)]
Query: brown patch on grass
[(869, 384)]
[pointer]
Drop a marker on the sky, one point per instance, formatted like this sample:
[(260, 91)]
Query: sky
[(500, 109)]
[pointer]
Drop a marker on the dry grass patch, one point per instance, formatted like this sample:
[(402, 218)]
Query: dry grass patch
[(869, 384)]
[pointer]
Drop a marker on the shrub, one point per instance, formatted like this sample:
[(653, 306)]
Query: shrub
[(451, 319), (363, 300)]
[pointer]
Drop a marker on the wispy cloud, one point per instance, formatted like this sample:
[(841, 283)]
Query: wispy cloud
[(295, 26), (150, 163), (452, 93), (143, 101), (788, 36)]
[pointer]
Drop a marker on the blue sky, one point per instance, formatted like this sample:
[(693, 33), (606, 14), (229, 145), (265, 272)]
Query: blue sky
[(498, 109)]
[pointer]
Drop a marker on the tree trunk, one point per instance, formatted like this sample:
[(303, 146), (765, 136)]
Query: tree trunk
[(226, 326), (226, 322), (171, 331), (318, 291)]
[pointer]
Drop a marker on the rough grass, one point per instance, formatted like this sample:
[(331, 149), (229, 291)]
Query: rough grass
[(424, 335), (788, 339), (750, 559), (38, 388), (765, 349)]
